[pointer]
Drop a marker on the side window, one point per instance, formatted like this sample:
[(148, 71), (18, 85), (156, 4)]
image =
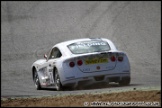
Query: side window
[(55, 53)]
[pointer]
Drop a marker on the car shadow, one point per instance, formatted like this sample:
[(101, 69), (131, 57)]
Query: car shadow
[(103, 86), (93, 87)]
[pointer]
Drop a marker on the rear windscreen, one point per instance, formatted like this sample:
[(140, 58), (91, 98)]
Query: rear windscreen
[(88, 47)]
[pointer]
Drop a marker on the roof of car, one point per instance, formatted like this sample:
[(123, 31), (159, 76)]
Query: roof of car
[(65, 43), (64, 49)]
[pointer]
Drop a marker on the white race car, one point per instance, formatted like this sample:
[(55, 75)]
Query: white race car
[(81, 62)]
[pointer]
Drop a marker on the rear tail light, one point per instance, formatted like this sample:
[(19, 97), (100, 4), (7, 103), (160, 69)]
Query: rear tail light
[(120, 59), (71, 64), (79, 62), (113, 59)]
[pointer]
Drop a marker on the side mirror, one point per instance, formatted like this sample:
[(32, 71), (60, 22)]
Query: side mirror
[(45, 56)]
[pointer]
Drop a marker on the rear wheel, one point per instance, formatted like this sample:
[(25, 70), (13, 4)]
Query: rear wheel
[(36, 80), (58, 84)]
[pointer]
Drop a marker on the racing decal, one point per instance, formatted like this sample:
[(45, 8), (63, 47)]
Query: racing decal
[(89, 44), (51, 77), (50, 70), (88, 47), (44, 69)]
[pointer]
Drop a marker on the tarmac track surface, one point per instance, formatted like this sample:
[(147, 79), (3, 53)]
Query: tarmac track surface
[(30, 28)]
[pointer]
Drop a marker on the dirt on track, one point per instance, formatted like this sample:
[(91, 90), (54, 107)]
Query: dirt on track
[(145, 98)]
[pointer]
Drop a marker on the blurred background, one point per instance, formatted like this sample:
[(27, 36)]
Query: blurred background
[(30, 28)]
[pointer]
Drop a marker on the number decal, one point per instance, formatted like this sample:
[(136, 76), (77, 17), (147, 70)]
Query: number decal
[(50, 70), (51, 77)]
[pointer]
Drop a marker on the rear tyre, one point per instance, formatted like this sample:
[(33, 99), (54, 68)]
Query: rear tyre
[(124, 81), (58, 84), (36, 80)]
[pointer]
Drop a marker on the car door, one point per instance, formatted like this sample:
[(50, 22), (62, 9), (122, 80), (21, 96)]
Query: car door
[(54, 55)]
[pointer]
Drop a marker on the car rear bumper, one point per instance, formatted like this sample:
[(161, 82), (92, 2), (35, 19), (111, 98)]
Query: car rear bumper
[(85, 81)]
